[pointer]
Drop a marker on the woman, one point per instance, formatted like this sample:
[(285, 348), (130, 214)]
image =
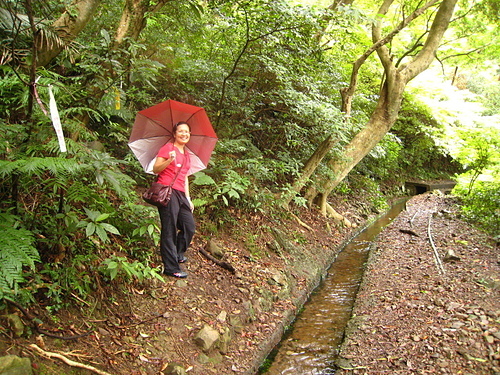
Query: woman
[(177, 222)]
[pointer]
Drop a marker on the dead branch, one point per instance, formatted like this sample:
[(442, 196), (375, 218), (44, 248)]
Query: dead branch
[(413, 218), (410, 232), (68, 361), (220, 263), (439, 265)]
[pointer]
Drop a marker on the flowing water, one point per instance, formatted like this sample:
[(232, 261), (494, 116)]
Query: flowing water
[(311, 346)]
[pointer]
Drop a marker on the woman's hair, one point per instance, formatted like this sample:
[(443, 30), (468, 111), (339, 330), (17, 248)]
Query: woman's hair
[(174, 129)]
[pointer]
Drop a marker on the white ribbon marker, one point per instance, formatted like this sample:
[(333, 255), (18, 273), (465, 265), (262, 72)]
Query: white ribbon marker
[(56, 121)]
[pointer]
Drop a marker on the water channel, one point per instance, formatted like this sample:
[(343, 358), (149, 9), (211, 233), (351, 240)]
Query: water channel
[(311, 346)]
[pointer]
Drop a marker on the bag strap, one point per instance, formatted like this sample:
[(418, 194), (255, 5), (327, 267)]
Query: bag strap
[(177, 174)]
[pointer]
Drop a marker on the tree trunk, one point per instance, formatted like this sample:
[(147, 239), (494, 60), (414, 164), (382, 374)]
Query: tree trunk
[(133, 18), (67, 28), (389, 103), (311, 165), (381, 120)]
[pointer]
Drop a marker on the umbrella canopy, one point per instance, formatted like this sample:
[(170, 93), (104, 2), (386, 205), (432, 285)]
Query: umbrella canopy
[(153, 128)]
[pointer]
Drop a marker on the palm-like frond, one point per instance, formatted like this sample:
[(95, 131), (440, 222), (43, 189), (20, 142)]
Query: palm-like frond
[(38, 166), (17, 37)]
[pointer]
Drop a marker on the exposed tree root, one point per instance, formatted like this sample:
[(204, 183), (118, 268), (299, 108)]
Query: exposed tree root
[(68, 361), (301, 222)]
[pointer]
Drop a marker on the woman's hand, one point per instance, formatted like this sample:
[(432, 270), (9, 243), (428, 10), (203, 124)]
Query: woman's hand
[(191, 205)]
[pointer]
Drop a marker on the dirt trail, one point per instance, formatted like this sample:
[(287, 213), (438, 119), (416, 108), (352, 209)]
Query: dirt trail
[(414, 315)]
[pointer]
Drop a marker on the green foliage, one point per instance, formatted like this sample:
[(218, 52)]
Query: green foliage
[(479, 186), (481, 205), (480, 150), (368, 188), (94, 225), (485, 84), (36, 167), (411, 149), (230, 188), (149, 227), (16, 252), (117, 266)]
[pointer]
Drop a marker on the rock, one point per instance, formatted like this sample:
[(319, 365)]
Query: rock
[(347, 223), (14, 365), (236, 324), (181, 283), (275, 248), (451, 257), (215, 250), (15, 324), (489, 339), (203, 358), (453, 306), (222, 316), (277, 277), (249, 311), (174, 369), (206, 338), (224, 341), (284, 243)]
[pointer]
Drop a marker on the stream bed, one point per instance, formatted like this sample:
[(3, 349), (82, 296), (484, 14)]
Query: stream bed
[(311, 346)]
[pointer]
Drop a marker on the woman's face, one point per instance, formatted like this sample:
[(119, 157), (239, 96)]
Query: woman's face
[(182, 134)]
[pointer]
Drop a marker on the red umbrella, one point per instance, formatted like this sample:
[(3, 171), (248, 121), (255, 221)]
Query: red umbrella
[(153, 128)]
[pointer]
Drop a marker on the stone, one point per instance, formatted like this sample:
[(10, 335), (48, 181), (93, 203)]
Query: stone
[(14, 365), (203, 358), (224, 341), (278, 277), (215, 250), (222, 317), (181, 283), (206, 338), (15, 324), (174, 369), (249, 311), (489, 339), (236, 323)]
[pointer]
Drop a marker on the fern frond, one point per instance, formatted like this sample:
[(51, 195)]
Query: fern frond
[(16, 252), (37, 166)]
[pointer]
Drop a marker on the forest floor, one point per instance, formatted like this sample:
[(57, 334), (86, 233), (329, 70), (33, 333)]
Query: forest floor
[(410, 317)]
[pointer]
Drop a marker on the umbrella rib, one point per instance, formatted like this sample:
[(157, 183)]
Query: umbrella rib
[(160, 124), (194, 113)]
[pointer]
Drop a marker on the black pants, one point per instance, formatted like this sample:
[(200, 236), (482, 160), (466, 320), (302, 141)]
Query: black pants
[(177, 230)]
